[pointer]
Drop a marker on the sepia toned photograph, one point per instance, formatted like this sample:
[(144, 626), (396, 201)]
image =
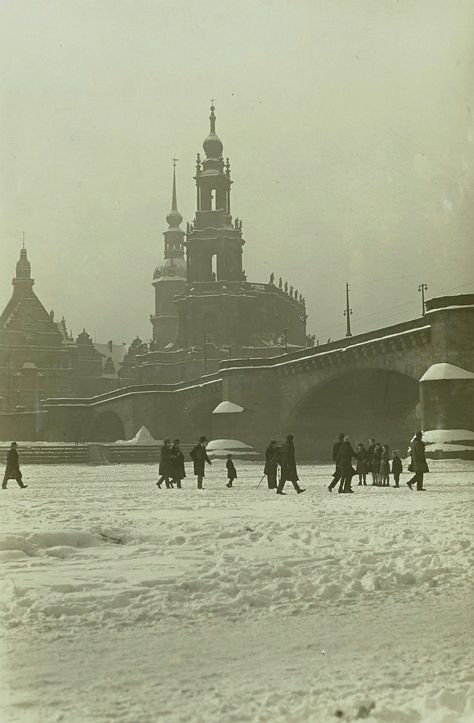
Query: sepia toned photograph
[(237, 265)]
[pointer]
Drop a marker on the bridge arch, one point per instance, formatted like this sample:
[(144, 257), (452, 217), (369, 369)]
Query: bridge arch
[(363, 403), (197, 418), (107, 427)]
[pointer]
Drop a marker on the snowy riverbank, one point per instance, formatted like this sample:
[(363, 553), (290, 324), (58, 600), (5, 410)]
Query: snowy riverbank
[(124, 603)]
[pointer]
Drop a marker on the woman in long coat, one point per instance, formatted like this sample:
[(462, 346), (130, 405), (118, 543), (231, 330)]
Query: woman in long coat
[(418, 463), (165, 469), (177, 463), (288, 466)]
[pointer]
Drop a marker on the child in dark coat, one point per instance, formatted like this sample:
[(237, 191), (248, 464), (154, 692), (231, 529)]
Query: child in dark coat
[(231, 471), (397, 467)]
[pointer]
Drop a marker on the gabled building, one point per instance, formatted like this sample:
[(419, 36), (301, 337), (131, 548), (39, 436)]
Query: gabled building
[(39, 358)]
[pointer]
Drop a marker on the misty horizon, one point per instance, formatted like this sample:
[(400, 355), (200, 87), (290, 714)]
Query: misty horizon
[(349, 131)]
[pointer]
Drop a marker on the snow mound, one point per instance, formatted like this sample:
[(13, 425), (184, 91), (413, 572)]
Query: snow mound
[(445, 371), (450, 441), (220, 448), (228, 408), (227, 444), (447, 435), (143, 436)]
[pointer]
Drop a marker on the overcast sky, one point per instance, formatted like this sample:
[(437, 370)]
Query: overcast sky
[(349, 125)]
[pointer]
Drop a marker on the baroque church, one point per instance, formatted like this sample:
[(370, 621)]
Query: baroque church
[(205, 308)]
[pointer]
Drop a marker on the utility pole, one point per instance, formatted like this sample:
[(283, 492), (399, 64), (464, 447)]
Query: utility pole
[(285, 331), (348, 312), (423, 288), (204, 348)]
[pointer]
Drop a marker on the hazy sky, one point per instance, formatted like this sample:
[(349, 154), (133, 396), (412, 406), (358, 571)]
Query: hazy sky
[(349, 125)]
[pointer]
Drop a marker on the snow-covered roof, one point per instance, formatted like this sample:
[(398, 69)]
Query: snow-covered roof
[(228, 408), (445, 371)]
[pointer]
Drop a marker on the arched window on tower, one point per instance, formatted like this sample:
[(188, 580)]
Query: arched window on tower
[(214, 267), (213, 200)]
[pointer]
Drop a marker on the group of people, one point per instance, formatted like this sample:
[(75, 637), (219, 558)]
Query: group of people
[(172, 470), (376, 461)]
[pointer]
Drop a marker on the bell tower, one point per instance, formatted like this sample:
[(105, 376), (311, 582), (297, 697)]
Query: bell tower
[(214, 243)]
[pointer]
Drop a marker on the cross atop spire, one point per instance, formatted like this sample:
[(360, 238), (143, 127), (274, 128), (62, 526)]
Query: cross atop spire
[(175, 161), (23, 233)]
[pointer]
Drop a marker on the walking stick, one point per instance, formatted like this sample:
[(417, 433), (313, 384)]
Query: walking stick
[(261, 481)]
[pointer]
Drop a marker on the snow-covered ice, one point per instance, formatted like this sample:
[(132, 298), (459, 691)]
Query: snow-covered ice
[(124, 603)]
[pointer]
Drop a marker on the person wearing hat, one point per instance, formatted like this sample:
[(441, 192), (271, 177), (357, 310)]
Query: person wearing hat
[(337, 472), (199, 456), (165, 469), (13, 468), (272, 460), (288, 467), (418, 463), (177, 464)]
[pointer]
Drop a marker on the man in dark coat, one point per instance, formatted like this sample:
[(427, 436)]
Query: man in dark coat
[(166, 467), (177, 464), (288, 467), (13, 468), (345, 456), (337, 472), (272, 460), (418, 463), (199, 456)]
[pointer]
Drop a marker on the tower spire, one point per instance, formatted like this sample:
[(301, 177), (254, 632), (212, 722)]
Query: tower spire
[(174, 217), (174, 204)]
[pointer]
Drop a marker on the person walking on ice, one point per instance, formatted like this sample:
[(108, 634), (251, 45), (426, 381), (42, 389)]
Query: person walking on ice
[(288, 467), (418, 463), (336, 477), (165, 469), (231, 471), (13, 468), (177, 464), (199, 456)]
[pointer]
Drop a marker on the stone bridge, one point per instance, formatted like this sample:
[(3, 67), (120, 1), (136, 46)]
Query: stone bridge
[(384, 384)]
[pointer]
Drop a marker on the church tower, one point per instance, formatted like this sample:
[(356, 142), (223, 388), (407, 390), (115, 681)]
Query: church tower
[(214, 244), (169, 278)]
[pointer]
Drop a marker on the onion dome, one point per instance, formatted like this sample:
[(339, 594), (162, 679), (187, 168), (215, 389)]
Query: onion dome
[(212, 144)]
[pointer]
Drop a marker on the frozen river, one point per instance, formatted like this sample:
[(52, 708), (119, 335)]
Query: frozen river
[(123, 603)]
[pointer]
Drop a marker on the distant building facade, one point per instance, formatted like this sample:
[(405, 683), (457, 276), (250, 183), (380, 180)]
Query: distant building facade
[(40, 359)]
